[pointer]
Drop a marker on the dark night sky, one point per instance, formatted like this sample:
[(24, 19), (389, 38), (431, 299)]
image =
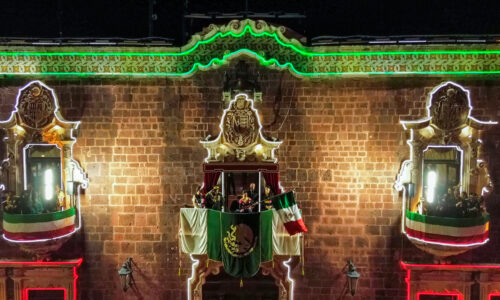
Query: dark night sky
[(129, 19)]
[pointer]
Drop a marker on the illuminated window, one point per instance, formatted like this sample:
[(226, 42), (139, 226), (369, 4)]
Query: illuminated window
[(442, 167), (43, 170)]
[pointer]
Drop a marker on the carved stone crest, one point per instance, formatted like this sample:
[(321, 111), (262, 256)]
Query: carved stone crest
[(36, 106), (240, 123), (240, 138), (449, 107)]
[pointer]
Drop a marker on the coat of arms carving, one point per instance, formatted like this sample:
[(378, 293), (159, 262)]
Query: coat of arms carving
[(240, 125), (449, 107), (240, 138), (36, 106)]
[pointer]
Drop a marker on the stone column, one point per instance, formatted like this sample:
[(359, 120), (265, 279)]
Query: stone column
[(3, 284), (18, 278)]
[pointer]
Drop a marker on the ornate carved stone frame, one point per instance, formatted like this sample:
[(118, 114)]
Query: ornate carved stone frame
[(280, 269), (240, 141), (454, 127), (37, 120), (448, 124)]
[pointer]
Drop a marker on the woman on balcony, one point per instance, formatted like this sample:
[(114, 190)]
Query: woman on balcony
[(246, 203)]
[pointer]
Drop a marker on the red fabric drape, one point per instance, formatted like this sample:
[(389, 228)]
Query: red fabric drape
[(272, 180), (209, 181)]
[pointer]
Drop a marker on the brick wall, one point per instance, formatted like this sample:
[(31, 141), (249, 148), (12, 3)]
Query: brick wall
[(342, 148)]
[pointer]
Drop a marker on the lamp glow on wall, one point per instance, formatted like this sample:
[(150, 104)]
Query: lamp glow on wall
[(352, 277), (125, 273)]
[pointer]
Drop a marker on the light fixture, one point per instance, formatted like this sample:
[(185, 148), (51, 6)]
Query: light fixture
[(48, 182), (125, 273), (431, 186), (352, 277)]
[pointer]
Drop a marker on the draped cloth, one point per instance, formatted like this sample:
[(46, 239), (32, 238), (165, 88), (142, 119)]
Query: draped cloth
[(29, 227), (194, 238), (210, 180), (241, 241), (193, 230), (273, 181), (283, 242)]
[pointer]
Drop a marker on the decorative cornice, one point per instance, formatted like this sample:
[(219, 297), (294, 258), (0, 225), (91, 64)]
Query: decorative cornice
[(268, 44)]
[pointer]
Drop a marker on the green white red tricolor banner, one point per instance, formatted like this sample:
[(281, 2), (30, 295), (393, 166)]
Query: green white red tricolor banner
[(26, 227), (453, 231), (289, 212)]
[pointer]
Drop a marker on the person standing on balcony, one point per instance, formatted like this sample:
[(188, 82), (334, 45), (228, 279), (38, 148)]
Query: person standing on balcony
[(253, 193), (213, 199), (266, 199), (198, 201), (246, 203), (60, 198), (37, 206)]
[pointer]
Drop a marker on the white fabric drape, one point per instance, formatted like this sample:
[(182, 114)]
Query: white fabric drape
[(283, 243), (193, 233), (193, 230)]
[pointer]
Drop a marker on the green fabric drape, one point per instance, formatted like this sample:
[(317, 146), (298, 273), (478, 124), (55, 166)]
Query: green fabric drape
[(240, 241)]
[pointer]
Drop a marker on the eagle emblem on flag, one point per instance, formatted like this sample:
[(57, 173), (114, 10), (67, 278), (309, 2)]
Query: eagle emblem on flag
[(240, 240)]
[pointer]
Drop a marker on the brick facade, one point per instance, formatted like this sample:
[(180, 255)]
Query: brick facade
[(342, 149)]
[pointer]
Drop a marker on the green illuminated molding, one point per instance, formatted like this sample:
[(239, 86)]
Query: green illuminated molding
[(268, 44)]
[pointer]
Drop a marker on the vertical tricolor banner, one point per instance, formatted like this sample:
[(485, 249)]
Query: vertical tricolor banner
[(289, 212)]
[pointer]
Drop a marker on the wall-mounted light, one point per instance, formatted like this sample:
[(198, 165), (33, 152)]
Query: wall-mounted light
[(431, 186), (352, 277), (125, 273)]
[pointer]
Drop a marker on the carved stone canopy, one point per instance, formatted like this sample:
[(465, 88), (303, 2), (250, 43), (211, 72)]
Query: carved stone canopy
[(37, 117), (240, 138), (448, 124), (36, 120)]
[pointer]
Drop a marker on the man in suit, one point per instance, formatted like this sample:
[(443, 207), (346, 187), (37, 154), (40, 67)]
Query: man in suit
[(253, 193)]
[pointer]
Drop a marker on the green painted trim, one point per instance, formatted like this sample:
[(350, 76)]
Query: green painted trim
[(35, 218), (263, 42), (452, 222)]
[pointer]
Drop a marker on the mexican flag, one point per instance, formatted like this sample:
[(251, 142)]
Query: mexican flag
[(289, 212), (197, 224), (26, 227), (241, 241)]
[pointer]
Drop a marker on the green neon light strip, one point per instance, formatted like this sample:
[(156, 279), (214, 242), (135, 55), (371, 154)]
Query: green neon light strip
[(249, 30), (263, 61), (260, 58)]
